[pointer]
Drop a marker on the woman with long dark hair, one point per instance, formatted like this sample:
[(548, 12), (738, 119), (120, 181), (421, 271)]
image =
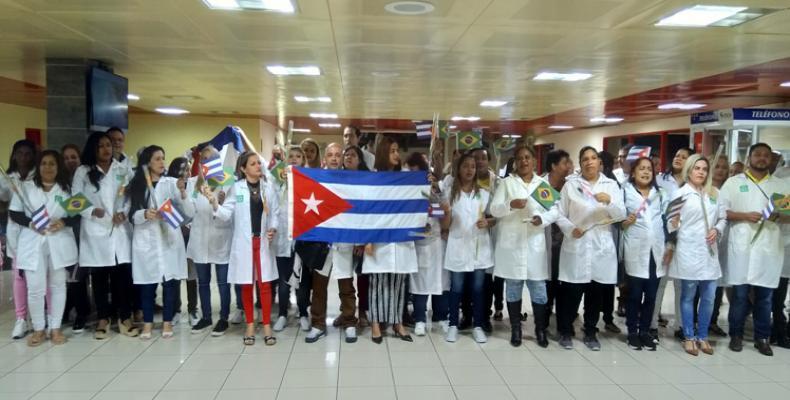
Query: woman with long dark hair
[(158, 251), (21, 168), (77, 283), (45, 247), (252, 205), (106, 235), (179, 169)]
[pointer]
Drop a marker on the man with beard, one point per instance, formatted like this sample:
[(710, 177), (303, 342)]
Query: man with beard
[(755, 251)]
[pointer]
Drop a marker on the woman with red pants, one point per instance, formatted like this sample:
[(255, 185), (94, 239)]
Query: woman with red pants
[(252, 205)]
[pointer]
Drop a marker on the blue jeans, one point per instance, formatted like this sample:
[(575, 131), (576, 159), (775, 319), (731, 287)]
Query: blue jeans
[(148, 296), (204, 290), (457, 290), (761, 313), (420, 302), (537, 290), (707, 292)]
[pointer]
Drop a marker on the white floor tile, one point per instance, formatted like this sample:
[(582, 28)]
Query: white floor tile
[(49, 363), (597, 392), (102, 364), (493, 392), (80, 382), (359, 377), (413, 359), (257, 378), (420, 376), (196, 380), (734, 374), (465, 359), (706, 391), (473, 376), (209, 362), (530, 392), (760, 391), (63, 395), (135, 395), (310, 378), (654, 392), (130, 381), (518, 375), (247, 394), (683, 374), (157, 363), (366, 393), (292, 393), (425, 392), (629, 375), (186, 395), (26, 382)]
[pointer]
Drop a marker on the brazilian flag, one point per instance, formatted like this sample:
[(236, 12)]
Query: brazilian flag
[(545, 195), (228, 179), (468, 140), (278, 172), (504, 144), (444, 129), (75, 204), (781, 203)]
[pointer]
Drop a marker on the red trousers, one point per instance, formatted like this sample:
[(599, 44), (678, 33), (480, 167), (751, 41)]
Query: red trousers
[(265, 289)]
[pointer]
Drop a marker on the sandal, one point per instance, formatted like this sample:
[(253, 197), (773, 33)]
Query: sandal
[(127, 328), (146, 334), (167, 330), (36, 338), (100, 333), (57, 337), (690, 347), (249, 340), (270, 340)]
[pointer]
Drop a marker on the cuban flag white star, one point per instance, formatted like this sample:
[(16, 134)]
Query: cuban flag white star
[(312, 204)]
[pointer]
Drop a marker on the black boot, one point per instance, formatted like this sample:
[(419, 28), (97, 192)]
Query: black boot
[(541, 316), (514, 312)]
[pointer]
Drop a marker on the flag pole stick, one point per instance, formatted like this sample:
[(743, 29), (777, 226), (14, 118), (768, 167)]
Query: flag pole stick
[(149, 182), (25, 202)]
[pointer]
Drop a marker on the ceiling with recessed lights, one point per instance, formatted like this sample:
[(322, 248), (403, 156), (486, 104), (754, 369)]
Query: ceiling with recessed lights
[(376, 65)]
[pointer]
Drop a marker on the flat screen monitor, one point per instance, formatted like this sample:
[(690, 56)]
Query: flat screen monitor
[(107, 100)]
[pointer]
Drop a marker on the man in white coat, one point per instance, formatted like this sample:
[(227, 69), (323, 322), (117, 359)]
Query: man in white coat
[(754, 261)]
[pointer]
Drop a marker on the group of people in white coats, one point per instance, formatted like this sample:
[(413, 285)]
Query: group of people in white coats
[(484, 228)]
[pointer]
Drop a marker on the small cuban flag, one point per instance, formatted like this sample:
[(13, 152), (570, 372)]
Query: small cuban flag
[(75, 204), (424, 129), (170, 214), (41, 218), (638, 152), (212, 168), (674, 207), (545, 195), (436, 211)]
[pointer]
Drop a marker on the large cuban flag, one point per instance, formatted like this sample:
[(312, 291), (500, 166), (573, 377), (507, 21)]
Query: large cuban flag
[(356, 207)]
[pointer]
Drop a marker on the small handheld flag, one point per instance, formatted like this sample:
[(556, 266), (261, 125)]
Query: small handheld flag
[(638, 152), (768, 210), (424, 129), (675, 206), (444, 129), (468, 140), (227, 179), (75, 204), (435, 211), (781, 203), (278, 172), (170, 214), (212, 168), (41, 218), (545, 195)]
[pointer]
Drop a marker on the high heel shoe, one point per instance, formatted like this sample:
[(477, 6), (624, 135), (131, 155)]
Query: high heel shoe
[(705, 347), (690, 347), (377, 340), (405, 338)]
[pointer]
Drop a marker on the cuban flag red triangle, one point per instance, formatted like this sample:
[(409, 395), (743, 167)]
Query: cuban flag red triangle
[(313, 203)]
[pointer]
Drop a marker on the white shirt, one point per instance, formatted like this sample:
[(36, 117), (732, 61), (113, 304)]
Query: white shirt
[(209, 236), (645, 238), (468, 247), (693, 259)]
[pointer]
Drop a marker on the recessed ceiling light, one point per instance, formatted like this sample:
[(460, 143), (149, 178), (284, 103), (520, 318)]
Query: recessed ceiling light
[(329, 125), (132, 97), (307, 70), (305, 99), (385, 74), (461, 118), (566, 77), (492, 103), (511, 135), (302, 130), (409, 7), (680, 106), (171, 110), (699, 16), (606, 120), (283, 6), (182, 97), (785, 84), (559, 127), (323, 115), (452, 127)]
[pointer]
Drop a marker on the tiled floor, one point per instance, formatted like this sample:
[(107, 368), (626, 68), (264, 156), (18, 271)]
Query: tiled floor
[(198, 367)]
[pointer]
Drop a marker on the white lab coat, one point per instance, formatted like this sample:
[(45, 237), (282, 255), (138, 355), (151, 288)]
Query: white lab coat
[(645, 238), (753, 264), (342, 258), (101, 245), (668, 183), (6, 193), (431, 277), (692, 259), (370, 159), (283, 245), (237, 208), (158, 251), (36, 250), (209, 236), (592, 257), (520, 249), (394, 258), (468, 247)]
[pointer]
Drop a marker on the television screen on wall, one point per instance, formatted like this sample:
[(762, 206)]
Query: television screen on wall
[(108, 105)]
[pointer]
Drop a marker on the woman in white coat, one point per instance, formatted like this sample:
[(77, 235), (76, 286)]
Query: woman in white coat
[(45, 248), (643, 247), (209, 243), (589, 204), (388, 264), (158, 251), (695, 259), (105, 234), (469, 251), (252, 207), (431, 279), (520, 253)]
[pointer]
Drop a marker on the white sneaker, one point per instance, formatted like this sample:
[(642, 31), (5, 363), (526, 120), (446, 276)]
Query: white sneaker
[(445, 325), (479, 335), (452, 334), (193, 318), (351, 334), (419, 329), (304, 323), (280, 324), (237, 317), (20, 329), (176, 318)]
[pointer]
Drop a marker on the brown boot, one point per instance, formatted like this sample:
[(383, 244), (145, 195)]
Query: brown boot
[(127, 328)]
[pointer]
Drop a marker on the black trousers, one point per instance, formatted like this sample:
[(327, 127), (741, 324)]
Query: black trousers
[(570, 296), (553, 285), (494, 287), (779, 326), (77, 294), (115, 281)]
